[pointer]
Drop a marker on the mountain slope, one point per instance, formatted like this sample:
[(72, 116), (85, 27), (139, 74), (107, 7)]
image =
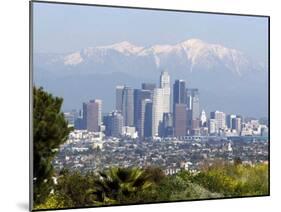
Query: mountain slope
[(190, 55), (227, 78)]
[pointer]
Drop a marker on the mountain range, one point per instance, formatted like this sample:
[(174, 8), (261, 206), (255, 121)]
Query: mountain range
[(228, 79)]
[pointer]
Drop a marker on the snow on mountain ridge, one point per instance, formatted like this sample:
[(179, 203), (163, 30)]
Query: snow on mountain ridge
[(196, 48), (73, 59), (192, 52), (123, 47)]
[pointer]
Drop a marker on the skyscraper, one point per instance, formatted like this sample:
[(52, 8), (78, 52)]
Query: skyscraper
[(165, 85), (212, 126), (148, 86), (114, 124), (189, 122), (92, 115), (117, 124), (179, 92), (220, 119), (237, 124), (229, 118), (79, 123), (195, 125), (139, 96), (180, 120), (157, 111), (147, 118), (107, 121), (144, 109), (203, 119), (128, 106), (119, 97), (70, 117), (168, 124), (84, 116), (137, 106), (99, 102), (188, 99), (192, 99)]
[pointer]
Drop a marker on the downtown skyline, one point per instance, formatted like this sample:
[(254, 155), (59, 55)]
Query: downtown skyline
[(157, 110)]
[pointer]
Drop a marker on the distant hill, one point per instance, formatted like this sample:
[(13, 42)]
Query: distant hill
[(228, 79)]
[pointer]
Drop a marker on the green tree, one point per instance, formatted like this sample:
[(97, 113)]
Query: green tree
[(53, 201), (73, 187), (119, 185), (156, 175), (237, 161), (50, 130), (234, 180)]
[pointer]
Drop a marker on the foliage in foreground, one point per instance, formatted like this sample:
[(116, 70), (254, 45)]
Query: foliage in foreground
[(134, 185), (49, 131), (235, 180)]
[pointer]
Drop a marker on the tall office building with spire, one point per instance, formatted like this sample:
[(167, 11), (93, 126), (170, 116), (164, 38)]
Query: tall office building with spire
[(203, 119), (161, 103)]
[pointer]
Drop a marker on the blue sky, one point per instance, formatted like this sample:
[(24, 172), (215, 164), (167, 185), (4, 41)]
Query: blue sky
[(62, 28)]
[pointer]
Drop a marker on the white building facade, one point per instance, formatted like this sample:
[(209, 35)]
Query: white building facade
[(157, 110), (165, 85)]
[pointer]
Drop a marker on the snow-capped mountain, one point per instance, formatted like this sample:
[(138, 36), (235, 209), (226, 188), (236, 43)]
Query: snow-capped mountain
[(188, 56), (228, 79)]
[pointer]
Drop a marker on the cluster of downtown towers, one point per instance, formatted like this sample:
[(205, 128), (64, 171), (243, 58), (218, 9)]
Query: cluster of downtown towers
[(150, 112)]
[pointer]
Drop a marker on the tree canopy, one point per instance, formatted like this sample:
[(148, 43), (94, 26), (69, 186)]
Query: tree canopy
[(50, 130), (134, 185)]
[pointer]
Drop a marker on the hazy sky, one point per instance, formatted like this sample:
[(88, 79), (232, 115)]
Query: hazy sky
[(65, 28)]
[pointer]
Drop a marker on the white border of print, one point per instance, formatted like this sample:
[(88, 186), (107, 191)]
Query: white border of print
[(14, 107)]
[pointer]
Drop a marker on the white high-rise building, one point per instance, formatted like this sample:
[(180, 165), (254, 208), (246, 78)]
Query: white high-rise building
[(157, 110), (220, 119), (165, 85), (99, 102), (203, 118)]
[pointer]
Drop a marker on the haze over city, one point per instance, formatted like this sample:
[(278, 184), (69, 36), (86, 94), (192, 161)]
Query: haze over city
[(86, 56)]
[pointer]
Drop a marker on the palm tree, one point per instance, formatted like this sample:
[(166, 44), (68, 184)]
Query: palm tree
[(119, 185)]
